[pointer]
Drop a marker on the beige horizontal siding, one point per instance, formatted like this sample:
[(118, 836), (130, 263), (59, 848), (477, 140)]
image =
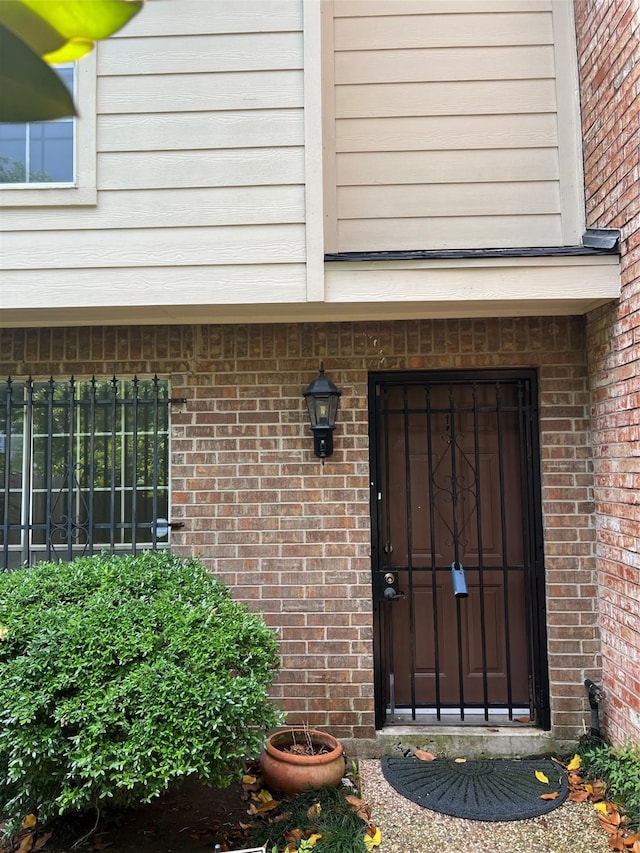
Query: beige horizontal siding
[(192, 17), (468, 97), (445, 131), (201, 92), (162, 247), (392, 32), (200, 54), (499, 281), (152, 287), (235, 167), (448, 64), (211, 131), (354, 8), (447, 167), (450, 200), (172, 208), (478, 232), (200, 164)]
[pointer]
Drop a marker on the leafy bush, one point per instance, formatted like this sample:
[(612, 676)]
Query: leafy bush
[(619, 768), (120, 675)]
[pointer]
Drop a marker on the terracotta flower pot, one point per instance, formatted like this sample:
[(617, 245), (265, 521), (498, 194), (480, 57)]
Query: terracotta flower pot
[(292, 773)]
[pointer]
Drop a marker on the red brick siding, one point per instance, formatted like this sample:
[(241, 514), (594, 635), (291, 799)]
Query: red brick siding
[(609, 62), (293, 538)]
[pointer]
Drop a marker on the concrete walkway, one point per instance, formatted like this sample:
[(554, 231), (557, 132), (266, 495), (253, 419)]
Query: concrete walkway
[(408, 828)]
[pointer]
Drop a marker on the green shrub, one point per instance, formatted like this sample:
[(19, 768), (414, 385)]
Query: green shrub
[(619, 768), (119, 676), (324, 812)]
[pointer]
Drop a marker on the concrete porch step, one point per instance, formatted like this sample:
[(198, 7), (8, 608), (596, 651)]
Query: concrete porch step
[(461, 741)]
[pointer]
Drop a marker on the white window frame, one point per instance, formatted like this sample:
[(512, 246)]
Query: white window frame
[(83, 190)]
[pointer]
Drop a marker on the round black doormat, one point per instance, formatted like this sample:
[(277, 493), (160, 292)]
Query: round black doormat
[(487, 789)]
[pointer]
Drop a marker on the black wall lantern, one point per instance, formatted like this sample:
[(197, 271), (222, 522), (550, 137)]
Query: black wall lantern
[(322, 401)]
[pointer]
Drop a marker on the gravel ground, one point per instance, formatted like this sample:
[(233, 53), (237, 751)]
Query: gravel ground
[(409, 828)]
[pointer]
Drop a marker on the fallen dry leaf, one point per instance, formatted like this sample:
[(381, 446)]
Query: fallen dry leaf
[(313, 811), (263, 807), (552, 795), (251, 783), (540, 776), (29, 822), (372, 837), (263, 795), (609, 828), (597, 790), (293, 836), (616, 842), (280, 817), (460, 760), (575, 763), (632, 839), (360, 807), (523, 719), (578, 796), (423, 755), (613, 817), (26, 844), (42, 840)]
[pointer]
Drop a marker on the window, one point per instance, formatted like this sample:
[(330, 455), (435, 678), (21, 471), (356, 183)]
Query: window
[(53, 162), (39, 152), (84, 467)]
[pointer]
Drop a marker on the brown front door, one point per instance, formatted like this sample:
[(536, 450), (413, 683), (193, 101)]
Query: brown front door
[(455, 507)]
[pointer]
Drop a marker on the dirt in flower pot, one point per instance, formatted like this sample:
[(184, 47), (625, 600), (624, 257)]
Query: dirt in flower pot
[(303, 745)]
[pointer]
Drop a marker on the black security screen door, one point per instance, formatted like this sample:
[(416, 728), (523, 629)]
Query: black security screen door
[(456, 509)]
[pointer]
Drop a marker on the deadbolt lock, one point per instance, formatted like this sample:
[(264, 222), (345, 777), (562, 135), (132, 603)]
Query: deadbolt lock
[(389, 578)]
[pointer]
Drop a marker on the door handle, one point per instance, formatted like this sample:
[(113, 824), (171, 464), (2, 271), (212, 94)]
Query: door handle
[(392, 594)]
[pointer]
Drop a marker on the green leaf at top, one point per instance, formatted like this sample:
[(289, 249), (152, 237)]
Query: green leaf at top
[(85, 19), (29, 89), (59, 31), (36, 33), (65, 30)]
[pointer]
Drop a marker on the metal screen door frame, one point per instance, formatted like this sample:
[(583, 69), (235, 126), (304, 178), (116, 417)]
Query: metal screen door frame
[(532, 570)]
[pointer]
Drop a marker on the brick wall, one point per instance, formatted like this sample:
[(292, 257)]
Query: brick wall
[(609, 61), (292, 538)]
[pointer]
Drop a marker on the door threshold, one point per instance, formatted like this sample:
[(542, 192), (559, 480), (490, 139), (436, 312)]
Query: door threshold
[(519, 719)]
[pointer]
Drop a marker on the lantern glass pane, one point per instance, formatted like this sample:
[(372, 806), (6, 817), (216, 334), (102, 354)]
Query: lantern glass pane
[(322, 410), (311, 406)]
